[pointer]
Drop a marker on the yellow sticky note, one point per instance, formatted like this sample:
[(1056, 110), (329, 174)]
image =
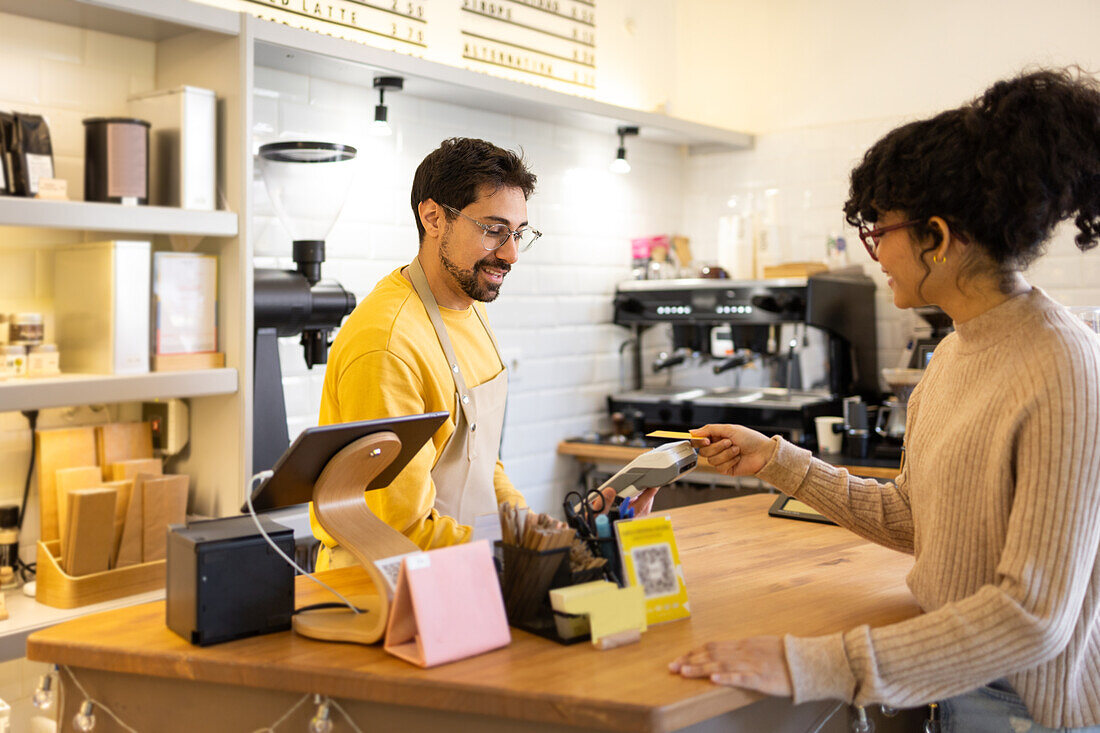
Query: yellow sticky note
[(672, 434)]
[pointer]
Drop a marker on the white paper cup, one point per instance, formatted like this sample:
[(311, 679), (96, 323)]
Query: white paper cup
[(828, 441)]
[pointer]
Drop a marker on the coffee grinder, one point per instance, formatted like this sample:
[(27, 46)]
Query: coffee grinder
[(919, 348), (307, 183)]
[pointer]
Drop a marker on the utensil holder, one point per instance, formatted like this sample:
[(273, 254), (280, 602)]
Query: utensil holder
[(528, 575)]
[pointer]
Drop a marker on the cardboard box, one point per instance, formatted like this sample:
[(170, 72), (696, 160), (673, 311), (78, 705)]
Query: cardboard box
[(101, 305)]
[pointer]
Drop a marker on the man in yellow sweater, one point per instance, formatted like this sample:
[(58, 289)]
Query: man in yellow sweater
[(420, 342)]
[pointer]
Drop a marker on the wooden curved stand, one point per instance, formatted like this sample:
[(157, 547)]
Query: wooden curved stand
[(342, 511)]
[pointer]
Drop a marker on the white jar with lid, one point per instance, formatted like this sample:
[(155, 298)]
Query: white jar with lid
[(13, 361), (43, 361), (27, 329)]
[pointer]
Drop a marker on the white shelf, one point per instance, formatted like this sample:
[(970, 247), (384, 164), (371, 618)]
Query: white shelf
[(26, 615), (88, 389), (300, 51), (24, 212), (149, 20)]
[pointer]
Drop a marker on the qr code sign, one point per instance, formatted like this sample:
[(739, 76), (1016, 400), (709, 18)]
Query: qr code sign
[(655, 570)]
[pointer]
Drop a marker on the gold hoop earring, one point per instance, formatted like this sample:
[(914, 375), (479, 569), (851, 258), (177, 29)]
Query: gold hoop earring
[(939, 260)]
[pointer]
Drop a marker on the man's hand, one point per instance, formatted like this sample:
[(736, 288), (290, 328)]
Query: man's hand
[(733, 449), (753, 664), (641, 503)]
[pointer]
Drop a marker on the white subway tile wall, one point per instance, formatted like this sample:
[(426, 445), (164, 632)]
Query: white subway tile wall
[(553, 318)]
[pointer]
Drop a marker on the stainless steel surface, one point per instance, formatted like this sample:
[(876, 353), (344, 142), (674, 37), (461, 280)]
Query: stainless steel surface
[(770, 397), (698, 283), (662, 394), (776, 398)]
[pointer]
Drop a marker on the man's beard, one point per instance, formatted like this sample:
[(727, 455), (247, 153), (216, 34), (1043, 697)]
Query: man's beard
[(468, 280)]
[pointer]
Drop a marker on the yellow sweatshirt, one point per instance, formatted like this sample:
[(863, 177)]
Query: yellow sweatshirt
[(386, 361)]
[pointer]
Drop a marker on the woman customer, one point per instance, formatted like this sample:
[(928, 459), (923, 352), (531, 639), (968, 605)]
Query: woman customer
[(999, 498)]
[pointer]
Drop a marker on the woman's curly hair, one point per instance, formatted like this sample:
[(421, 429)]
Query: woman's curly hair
[(1004, 169)]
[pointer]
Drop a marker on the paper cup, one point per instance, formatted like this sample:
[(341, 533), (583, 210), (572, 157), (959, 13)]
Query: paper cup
[(828, 439)]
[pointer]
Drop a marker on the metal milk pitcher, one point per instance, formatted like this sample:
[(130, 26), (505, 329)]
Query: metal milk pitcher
[(891, 420)]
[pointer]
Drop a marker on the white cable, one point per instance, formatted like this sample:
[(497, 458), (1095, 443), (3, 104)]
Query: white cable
[(88, 697), (346, 716), (817, 725), (251, 484), (295, 706)]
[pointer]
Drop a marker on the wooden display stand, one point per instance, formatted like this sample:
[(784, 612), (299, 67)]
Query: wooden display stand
[(59, 589), (342, 511)]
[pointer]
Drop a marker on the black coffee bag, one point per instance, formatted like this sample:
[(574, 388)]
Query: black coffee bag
[(31, 154)]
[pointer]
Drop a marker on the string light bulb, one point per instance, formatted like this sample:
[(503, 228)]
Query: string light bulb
[(620, 165), (43, 696), (321, 722), (84, 720), (381, 125)]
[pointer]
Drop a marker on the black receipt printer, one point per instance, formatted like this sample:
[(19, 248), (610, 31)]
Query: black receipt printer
[(226, 582)]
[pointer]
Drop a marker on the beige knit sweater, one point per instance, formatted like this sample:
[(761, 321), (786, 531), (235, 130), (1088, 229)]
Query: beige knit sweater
[(999, 502)]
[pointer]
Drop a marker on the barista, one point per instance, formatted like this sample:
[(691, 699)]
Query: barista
[(999, 496), (420, 342)]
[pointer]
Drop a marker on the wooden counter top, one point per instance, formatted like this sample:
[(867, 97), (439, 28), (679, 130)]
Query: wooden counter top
[(747, 574), (593, 452)]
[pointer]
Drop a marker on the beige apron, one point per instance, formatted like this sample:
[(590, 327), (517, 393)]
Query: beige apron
[(463, 473)]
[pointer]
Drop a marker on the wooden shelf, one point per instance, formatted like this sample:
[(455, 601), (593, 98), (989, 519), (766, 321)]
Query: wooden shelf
[(87, 389), (147, 220)]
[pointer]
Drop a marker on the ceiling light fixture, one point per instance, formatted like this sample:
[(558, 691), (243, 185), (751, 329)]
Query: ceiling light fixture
[(619, 165), (381, 125)]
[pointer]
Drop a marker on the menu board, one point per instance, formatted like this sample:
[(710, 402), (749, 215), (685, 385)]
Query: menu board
[(543, 39), (548, 43)]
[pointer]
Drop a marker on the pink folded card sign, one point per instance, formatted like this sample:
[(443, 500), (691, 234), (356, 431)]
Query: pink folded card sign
[(447, 606)]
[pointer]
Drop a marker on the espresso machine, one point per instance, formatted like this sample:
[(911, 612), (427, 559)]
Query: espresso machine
[(735, 325)]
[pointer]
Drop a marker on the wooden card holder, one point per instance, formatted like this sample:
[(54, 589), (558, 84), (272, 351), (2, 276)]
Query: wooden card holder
[(58, 589), (342, 511)]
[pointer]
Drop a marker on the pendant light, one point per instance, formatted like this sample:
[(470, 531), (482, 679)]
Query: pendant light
[(619, 165), (381, 125)]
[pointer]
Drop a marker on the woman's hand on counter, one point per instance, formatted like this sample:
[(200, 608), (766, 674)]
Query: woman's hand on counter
[(734, 449), (757, 663)]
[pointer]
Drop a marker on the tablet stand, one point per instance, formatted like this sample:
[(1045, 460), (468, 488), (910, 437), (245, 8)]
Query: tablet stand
[(342, 511)]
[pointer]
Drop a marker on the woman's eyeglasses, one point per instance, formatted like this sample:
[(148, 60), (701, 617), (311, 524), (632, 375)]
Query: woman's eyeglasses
[(494, 236), (871, 237)]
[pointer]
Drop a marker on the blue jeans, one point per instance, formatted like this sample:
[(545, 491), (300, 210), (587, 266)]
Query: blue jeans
[(995, 708)]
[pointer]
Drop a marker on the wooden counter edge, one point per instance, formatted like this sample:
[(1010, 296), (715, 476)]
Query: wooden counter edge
[(444, 696)]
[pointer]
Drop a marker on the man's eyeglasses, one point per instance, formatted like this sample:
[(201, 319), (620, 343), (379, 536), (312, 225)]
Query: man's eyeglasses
[(494, 236)]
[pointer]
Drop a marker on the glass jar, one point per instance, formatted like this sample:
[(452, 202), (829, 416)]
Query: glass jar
[(13, 361), (43, 361), (27, 329), (1090, 314)]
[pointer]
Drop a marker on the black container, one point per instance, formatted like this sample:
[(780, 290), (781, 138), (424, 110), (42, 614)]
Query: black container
[(9, 535), (528, 577), (225, 582), (116, 160), (7, 131)]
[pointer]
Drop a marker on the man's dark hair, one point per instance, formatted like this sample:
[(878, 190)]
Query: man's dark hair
[(1005, 168), (453, 173)]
